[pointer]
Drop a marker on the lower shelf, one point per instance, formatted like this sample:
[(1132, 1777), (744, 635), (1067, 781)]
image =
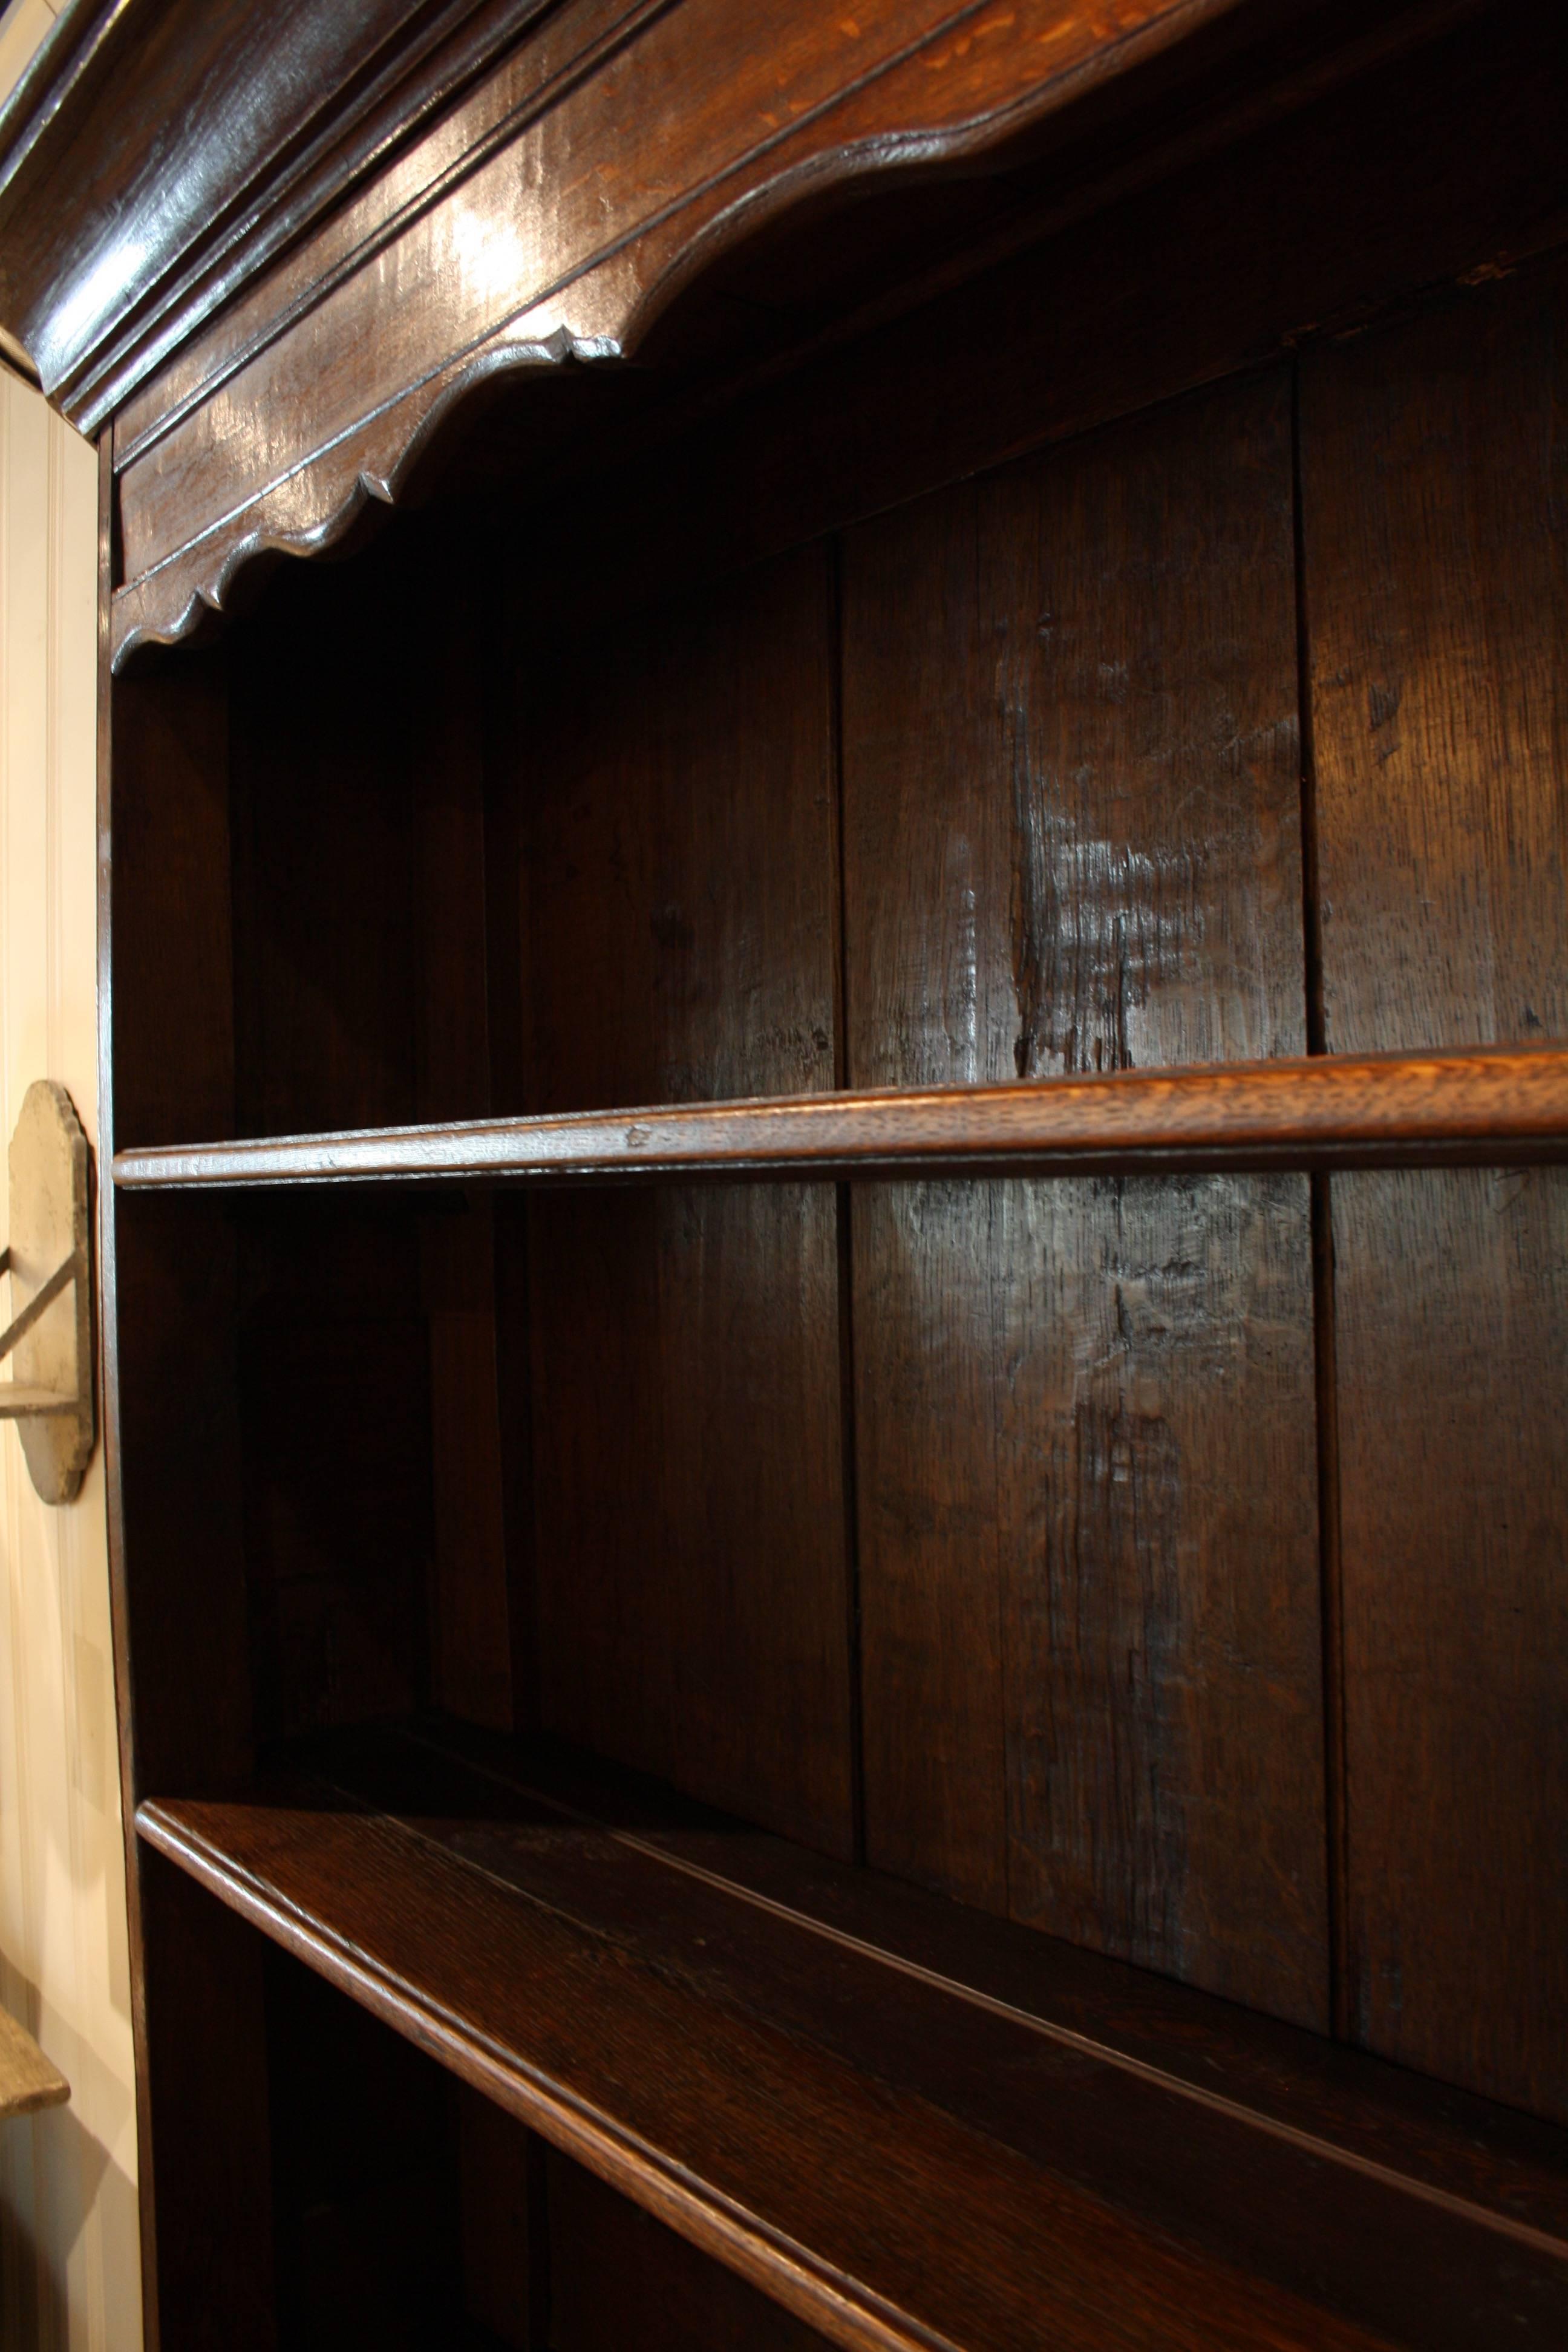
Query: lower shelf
[(910, 2124)]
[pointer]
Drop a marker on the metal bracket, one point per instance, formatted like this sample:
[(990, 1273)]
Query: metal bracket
[(49, 1261)]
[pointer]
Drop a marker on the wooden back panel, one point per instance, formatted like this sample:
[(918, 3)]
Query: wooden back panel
[(1003, 781), (1085, 1436), (1089, 1558), (676, 866), (1436, 473)]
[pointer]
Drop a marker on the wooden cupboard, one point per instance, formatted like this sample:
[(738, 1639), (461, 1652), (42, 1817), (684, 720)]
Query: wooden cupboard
[(835, 1257)]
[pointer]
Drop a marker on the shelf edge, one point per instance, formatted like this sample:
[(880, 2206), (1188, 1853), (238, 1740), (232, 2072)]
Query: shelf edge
[(1482, 1107), (849, 2315)]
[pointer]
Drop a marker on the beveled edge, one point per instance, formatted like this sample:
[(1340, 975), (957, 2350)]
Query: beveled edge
[(1484, 1106), (848, 2313), (315, 152)]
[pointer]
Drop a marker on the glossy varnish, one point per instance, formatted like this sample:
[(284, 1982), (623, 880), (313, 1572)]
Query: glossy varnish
[(984, 1528), (897, 2153), (1433, 508), (1380, 1110), (848, 1084), (1071, 775)]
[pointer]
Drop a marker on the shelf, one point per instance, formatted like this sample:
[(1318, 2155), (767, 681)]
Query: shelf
[(912, 2124), (28, 2079), (1377, 1111)]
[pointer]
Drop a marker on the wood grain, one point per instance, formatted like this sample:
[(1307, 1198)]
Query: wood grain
[(828, 2193), (1424, 170), (866, 390), (545, 844), (624, 1992), (1087, 1508), (1434, 488), (1382, 1110), (736, 106), (286, 112), (1445, 2144), (679, 925), (580, 38)]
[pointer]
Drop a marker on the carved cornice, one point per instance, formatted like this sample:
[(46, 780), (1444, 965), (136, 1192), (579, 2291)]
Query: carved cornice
[(398, 201), (157, 155), (314, 507)]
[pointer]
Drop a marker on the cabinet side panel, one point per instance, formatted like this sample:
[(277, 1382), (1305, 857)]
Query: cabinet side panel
[(679, 866), (366, 2183), (504, 2239), (183, 1628), (1088, 1523), (174, 948), (173, 1072), (1435, 495), (209, 2120), (618, 2277)]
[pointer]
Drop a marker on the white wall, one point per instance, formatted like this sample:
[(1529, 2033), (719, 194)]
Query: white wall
[(69, 2254)]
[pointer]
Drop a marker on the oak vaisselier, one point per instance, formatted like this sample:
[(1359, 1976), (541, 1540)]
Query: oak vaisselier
[(832, 1229)]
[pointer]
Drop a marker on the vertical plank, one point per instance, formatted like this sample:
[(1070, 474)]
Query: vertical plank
[(176, 1301), (335, 1409), (470, 1637), (1436, 473), (182, 1635), (1089, 1551), (470, 1664), (506, 717), (678, 935)]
